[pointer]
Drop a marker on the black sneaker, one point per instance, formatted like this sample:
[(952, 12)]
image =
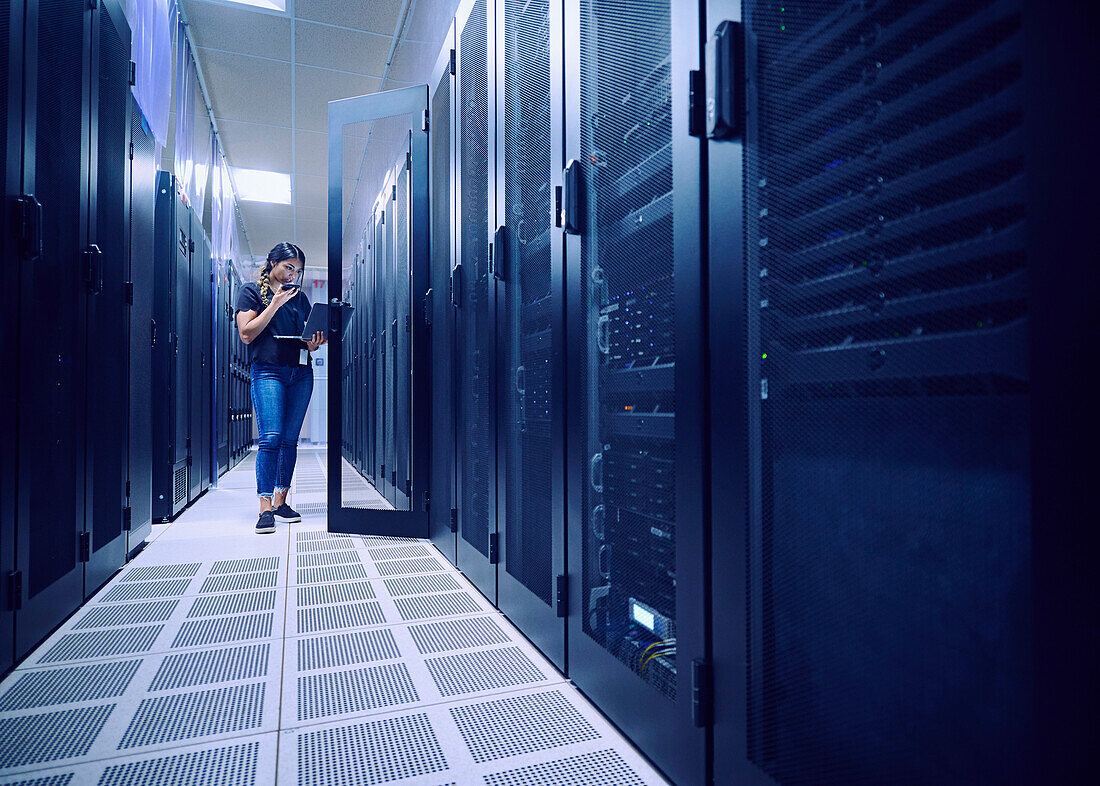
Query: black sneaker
[(288, 514), (266, 524)]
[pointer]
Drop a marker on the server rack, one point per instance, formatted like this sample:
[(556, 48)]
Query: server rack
[(51, 461), (223, 364), (637, 637), (197, 287), (140, 290), (17, 242), (474, 288), (439, 308), (528, 266), (240, 387), (886, 306), (402, 326), (106, 266), (171, 347), (203, 429)]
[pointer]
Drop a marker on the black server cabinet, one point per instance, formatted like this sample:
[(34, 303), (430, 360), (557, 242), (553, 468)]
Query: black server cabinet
[(527, 264), (205, 433), (880, 593), (106, 268), (223, 363), (51, 379), (18, 243), (389, 340), (198, 351), (637, 637), (402, 346), (140, 291), (440, 309), (474, 336), (171, 310), (380, 354)]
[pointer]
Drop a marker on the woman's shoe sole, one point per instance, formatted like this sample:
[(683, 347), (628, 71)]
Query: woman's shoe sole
[(265, 530), (294, 520)]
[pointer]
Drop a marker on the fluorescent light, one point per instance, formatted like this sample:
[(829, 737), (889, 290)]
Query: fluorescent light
[(274, 5), (256, 185)]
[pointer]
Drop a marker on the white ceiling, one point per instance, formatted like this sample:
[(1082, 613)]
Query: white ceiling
[(270, 76)]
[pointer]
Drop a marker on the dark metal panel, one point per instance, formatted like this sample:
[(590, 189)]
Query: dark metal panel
[(206, 362), (106, 329), (527, 258), (143, 190), (52, 368), (197, 284), (442, 312), (11, 171), (403, 326), (636, 524)]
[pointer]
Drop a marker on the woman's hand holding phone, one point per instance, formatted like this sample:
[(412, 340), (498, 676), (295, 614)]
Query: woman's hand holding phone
[(282, 296)]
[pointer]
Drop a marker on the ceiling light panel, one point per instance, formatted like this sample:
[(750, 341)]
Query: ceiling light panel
[(271, 5), (256, 185)]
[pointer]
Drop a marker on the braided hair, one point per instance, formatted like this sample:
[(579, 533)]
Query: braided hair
[(281, 252)]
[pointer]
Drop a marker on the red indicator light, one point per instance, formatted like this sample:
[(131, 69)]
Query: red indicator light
[(628, 407)]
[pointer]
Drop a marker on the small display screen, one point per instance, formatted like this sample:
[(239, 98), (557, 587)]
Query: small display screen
[(642, 615)]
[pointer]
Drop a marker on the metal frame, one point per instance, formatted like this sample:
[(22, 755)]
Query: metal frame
[(663, 729), (540, 622), (412, 101)]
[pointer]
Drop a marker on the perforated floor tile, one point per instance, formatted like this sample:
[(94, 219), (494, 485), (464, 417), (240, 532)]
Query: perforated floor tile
[(377, 664), (46, 687)]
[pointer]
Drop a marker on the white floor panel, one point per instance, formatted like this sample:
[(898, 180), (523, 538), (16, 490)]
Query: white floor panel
[(219, 656)]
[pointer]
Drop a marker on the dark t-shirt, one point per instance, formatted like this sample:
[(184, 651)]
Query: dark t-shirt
[(288, 321)]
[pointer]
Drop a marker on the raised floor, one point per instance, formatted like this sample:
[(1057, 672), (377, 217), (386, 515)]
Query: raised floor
[(219, 656)]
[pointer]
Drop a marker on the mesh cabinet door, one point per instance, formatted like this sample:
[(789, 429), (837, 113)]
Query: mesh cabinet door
[(402, 359), (887, 301), (474, 331), (528, 322), (632, 200)]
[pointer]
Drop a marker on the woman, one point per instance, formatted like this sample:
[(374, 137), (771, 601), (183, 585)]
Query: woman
[(282, 374)]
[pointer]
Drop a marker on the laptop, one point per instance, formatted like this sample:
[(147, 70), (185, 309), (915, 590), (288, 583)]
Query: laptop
[(318, 321)]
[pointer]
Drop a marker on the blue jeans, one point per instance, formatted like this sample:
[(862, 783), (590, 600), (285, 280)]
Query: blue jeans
[(280, 398)]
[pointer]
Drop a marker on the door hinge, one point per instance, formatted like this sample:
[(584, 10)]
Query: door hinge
[(30, 227), (129, 293), (408, 324), (393, 478), (696, 91), (382, 219), (427, 502), (127, 488), (428, 307), (452, 64), (424, 123), (408, 488), (131, 151), (725, 84), (85, 546), (93, 3), (454, 519), (702, 692), (93, 269), (15, 590), (494, 548), (133, 73), (562, 595), (127, 518), (497, 253), (393, 193)]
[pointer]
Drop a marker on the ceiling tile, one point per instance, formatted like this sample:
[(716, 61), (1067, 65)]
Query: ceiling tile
[(264, 232), (311, 153), (238, 29), (247, 88), (430, 20), (314, 88), (377, 16), (413, 62), (310, 191), (255, 147), (312, 213), (267, 210), (346, 50)]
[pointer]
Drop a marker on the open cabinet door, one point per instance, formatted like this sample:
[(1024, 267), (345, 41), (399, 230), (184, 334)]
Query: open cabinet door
[(390, 496)]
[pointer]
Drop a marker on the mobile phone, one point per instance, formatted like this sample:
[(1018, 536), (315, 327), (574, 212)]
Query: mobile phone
[(291, 286)]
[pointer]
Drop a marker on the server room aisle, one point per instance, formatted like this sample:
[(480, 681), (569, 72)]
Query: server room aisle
[(220, 656)]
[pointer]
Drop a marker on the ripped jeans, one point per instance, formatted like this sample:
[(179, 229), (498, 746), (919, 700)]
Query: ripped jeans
[(280, 398)]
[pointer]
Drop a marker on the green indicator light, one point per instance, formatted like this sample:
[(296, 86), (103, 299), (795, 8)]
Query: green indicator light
[(765, 356), (896, 334), (782, 27), (979, 324)]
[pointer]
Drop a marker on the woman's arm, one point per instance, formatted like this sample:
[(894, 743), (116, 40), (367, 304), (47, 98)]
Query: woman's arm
[(251, 323)]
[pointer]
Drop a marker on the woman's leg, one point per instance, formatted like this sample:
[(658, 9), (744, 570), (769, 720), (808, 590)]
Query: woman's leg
[(269, 404), (298, 393)]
